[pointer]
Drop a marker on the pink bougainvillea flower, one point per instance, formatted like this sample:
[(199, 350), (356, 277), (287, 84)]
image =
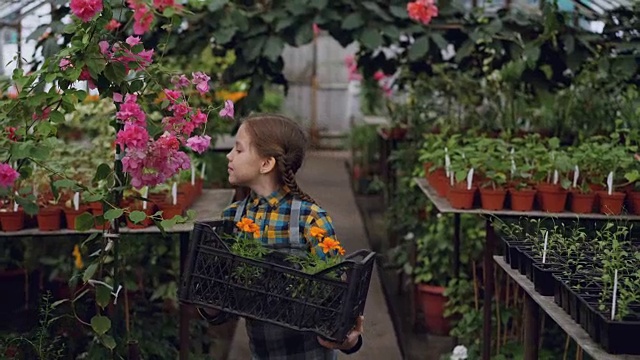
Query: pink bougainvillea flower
[(422, 10), (44, 114), (316, 29), (117, 97), (133, 136), (86, 75), (85, 9), (133, 41), (180, 81), (11, 133), (142, 16), (155, 164), (379, 75), (131, 112), (8, 175), (199, 118), (163, 4), (199, 144), (112, 25), (172, 95), (201, 80), (65, 64), (228, 109), (104, 49)]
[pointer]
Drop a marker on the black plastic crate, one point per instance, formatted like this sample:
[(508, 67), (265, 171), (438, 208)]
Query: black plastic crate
[(270, 290)]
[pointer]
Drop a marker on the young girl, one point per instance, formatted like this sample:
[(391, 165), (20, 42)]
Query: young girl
[(268, 151)]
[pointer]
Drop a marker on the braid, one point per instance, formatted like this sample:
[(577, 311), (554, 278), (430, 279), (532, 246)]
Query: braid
[(289, 179)]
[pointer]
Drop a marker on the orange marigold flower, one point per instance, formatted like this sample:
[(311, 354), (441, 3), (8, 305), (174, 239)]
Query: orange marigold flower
[(78, 257), (329, 244), (318, 232), (341, 250)]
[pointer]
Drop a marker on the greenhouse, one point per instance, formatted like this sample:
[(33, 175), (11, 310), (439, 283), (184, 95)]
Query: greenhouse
[(270, 179)]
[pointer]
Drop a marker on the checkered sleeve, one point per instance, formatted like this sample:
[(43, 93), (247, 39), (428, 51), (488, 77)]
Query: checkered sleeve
[(230, 211), (318, 217)]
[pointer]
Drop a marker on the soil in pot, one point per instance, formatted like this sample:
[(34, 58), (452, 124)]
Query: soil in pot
[(493, 199)]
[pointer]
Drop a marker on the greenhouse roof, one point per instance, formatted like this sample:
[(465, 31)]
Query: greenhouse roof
[(597, 8), (13, 10)]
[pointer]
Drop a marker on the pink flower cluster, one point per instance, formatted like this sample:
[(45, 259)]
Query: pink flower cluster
[(125, 55), (352, 68), (151, 162), (143, 14), (422, 10), (85, 9), (8, 175)]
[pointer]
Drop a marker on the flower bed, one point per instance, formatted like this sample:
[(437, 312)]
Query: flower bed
[(271, 290)]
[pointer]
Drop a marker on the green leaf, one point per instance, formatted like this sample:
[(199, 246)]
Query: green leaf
[(285, 23), (532, 54), (464, 51), (319, 4), (89, 272), (191, 214), (100, 324), (108, 342), (89, 197), (215, 5), (439, 40), (253, 47), (273, 48), (56, 117), (304, 34), (376, 9), (569, 43), (352, 21), (224, 35), (113, 214), (103, 295), (137, 216), (102, 172), (168, 224), (21, 150), (371, 38), (419, 48), (64, 184), (399, 11), (136, 86), (84, 221)]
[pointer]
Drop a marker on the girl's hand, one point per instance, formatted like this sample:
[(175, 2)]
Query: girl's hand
[(350, 342)]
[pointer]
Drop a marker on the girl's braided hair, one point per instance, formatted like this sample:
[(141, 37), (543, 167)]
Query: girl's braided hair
[(283, 139)]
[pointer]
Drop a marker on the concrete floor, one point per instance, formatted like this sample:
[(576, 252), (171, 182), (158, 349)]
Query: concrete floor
[(325, 178)]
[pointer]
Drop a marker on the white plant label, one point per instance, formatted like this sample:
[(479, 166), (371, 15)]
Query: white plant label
[(610, 183), (202, 171), (145, 193), (15, 206), (447, 161), (544, 250), (451, 179), (193, 174), (576, 174), (469, 179), (174, 193), (555, 177), (513, 162), (76, 201), (615, 294)]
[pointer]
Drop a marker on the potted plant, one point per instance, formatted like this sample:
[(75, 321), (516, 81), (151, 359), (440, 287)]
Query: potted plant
[(494, 164), (431, 273), (553, 189), (462, 191), (613, 164), (582, 197)]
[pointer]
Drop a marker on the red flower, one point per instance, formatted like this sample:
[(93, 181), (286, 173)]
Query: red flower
[(422, 10)]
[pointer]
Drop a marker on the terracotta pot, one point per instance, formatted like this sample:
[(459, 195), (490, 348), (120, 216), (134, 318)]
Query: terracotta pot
[(49, 218), (157, 198), (12, 220), (611, 204), (552, 198), (460, 197), (439, 181), (582, 203), (199, 185), (634, 201), (144, 223), (432, 302), (71, 214), (522, 200), (493, 199), (169, 211), (96, 208)]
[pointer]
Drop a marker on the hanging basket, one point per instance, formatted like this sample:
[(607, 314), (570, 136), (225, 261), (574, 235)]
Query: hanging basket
[(270, 290)]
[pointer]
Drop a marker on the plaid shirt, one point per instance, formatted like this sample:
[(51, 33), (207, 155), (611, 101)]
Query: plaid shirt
[(272, 215)]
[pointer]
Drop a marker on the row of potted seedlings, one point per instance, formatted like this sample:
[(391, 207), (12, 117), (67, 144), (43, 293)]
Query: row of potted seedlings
[(530, 173), (58, 209), (591, 270)]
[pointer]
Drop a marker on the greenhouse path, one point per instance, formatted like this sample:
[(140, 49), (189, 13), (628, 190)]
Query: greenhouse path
[(325, 178)]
